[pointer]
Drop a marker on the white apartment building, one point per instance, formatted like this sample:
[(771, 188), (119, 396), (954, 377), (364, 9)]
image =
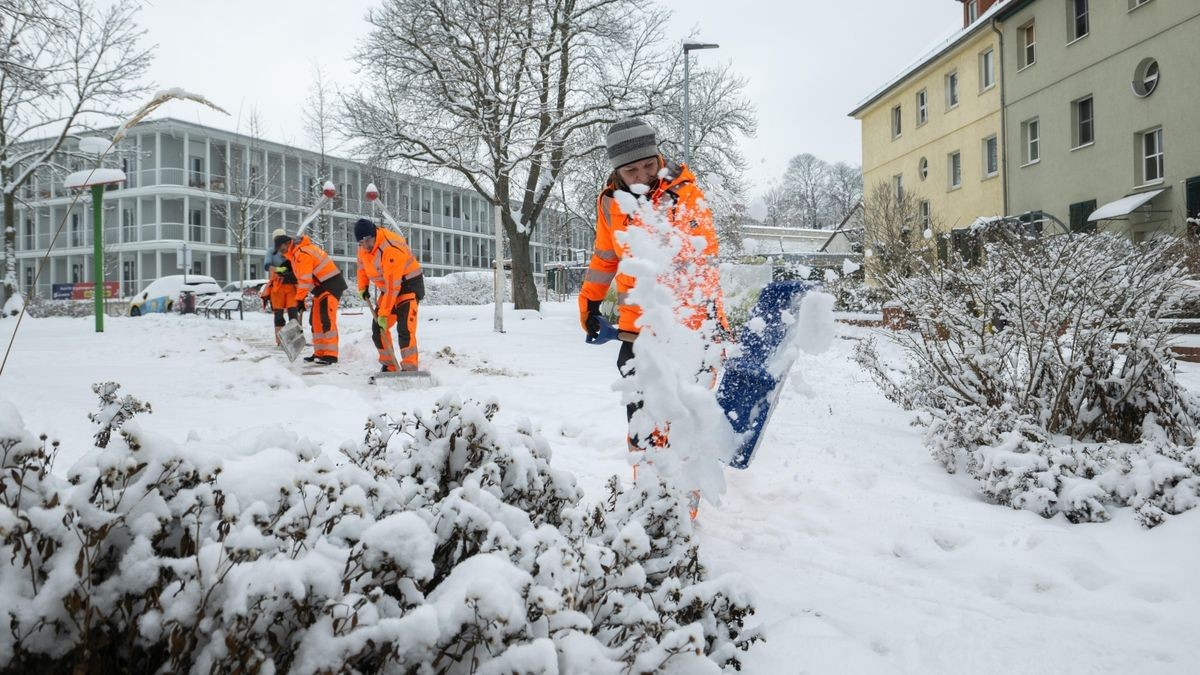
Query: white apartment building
[(184, 184)]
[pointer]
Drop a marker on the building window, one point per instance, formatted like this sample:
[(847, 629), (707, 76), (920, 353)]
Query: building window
[(991, 157), (76, 273), (1145, 78), (1083, 122), (129, 277), (76, 232), (896, 126), (196, 225), (923, 168), (922, 107), (898, 186), (1134, 4), (1077, 19), (1028, 54), (1152, 155), (926, 215), (972, 11), (952, 89), (987, 69), (1079, 216), (1193, 198), (1031, 140), (955, 170), (128, 231), (197, 170), (29, 234)]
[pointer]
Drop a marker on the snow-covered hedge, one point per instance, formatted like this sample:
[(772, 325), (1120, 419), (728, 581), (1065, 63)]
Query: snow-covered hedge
[(439, 544), (461, 288), (1046, 370)]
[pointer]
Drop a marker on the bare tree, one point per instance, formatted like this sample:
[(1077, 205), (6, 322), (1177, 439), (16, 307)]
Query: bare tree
[(898, 235), (318, 118), (249, 191), (844, 190), (507, 94), (67, 67), (720, 113), (806, 182)]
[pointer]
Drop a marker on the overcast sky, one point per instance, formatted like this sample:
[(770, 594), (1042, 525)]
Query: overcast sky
[(808, 62)]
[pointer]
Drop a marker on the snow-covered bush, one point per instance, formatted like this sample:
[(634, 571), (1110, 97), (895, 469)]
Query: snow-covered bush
[(1046, 370), (462, 288), (441, 544)]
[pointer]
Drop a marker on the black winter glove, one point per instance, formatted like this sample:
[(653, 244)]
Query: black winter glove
[(365, 294), (593, 319)]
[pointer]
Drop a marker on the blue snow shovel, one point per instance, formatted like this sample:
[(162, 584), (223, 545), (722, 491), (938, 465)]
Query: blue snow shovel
[(608, 333)]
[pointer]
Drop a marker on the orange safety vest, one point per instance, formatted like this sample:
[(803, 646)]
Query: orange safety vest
[(311, 265), (388, 266), (697, 293)]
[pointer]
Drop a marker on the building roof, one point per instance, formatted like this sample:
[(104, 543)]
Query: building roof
[(932, 56)]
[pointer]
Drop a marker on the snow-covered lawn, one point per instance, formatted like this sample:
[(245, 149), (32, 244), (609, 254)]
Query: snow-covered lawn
[(866, 557)]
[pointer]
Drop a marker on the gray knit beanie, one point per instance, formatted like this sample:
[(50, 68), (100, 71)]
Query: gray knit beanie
[(630, 140)]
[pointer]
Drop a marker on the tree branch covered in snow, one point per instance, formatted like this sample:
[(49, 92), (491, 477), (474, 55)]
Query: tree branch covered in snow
[(439, 543), (78, 66), (1047, 370), (508, 95)]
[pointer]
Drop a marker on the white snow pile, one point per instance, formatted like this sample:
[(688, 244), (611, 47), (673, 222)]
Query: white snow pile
[(1046, 371), (674, 366), (460, 288), (439, 543)]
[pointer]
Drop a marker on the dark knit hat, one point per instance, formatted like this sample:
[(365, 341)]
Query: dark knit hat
[(630, 140), (280, 240), (363, 229)]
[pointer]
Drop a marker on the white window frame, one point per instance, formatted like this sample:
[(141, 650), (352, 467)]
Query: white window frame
[(923, 168), (1073, 17), (926, 214), (987, 69), (972, 11), (952, 94), (991, 157), (922, 107), (897, 122), (1027, 35), (1031, 141), (954, 170), (1156, 154), (1134, 4), (1077, 122), (898, 187)]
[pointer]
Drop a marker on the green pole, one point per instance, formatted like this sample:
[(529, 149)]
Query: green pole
[(98, 254)]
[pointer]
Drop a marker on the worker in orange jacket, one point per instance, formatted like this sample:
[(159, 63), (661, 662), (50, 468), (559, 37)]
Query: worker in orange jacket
[(316, 274), (280, 289), (385, 260), (672, 190)]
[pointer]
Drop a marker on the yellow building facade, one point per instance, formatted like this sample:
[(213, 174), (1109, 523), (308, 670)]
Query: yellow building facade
[(935, 132)]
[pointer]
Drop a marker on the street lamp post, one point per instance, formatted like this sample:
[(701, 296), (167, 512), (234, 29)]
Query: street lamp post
[(96, 179), (687, 132)]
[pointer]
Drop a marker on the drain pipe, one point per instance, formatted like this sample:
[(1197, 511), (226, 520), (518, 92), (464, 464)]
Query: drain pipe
[(1003, 119)]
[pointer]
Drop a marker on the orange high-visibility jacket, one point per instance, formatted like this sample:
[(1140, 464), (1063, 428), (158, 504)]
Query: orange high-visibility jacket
[(311, 265), (698, 292), (388, 266)]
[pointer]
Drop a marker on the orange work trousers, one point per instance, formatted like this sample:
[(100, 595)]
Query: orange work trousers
[(404, 320), (324, 325)]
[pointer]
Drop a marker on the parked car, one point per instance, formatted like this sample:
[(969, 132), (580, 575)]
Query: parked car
[(164, 294), (248, 287), (244, 291)]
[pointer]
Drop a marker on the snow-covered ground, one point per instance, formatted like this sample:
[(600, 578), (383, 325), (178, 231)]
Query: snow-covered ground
[(865, 556)]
